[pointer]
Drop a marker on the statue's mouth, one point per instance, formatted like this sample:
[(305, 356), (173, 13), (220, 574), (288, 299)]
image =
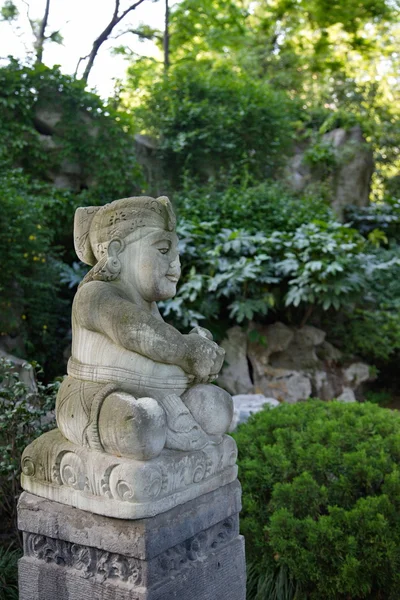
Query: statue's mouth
[(172, 278)]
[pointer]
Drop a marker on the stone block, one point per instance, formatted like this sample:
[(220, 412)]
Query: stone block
[(193, 551)]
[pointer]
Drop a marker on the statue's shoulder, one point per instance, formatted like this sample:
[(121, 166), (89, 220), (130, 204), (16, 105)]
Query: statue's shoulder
[(96, 290)]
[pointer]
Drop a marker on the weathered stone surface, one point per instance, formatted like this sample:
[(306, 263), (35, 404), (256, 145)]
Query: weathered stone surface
[(245, 405), (327, 353), (277, 336), (356, 166), (282, 384), (356, 374), (23, 369), (140, 428), (290, 364), (347, 395), (235, 375), (350, 182), (120, 487), (194, 552), (300, 354), (327, 384), (142, 538)]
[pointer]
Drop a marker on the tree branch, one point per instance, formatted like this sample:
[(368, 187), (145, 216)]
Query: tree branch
[(105, 34)]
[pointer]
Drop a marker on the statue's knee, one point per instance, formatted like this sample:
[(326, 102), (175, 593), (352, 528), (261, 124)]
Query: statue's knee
[(211, 406), (135, 428)]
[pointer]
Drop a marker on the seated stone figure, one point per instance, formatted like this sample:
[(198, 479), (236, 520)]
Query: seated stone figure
[(135, 384)]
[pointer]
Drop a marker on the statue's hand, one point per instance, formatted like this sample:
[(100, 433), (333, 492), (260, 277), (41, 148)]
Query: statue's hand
[(204, 357), (202, 331)]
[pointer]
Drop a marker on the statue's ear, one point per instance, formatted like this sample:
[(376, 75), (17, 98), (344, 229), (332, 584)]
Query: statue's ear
[(115, 247)]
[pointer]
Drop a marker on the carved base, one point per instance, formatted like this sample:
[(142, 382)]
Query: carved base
[(192, 552), (54, 468)]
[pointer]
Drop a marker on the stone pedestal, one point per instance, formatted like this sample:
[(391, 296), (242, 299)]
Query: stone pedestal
[(193, 551)]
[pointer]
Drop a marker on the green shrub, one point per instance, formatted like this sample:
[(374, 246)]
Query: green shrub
[(9, 573), (371, 329), (31, 305), (213, 118), (89, 132), (383, 216), (321, 501), (267, 207), (23, 416), (237, 275)]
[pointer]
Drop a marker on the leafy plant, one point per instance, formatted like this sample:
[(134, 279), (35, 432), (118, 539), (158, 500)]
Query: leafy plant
[(211, 119), (30, 299), (382, 397), (240, 275), (321, 157), (321, 488), (23, 416), (87, 132), (371, 329), (9, 573)]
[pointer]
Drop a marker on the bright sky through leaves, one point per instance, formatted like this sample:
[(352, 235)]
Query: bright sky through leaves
[(80, 22)]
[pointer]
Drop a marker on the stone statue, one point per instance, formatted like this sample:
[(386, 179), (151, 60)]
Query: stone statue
[(140, 426)]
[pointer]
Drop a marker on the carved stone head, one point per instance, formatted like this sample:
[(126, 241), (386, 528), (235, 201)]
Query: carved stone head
[(135, 235), (96, 226)]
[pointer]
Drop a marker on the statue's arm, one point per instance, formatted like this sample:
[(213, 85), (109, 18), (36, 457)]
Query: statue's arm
[(99, 307)]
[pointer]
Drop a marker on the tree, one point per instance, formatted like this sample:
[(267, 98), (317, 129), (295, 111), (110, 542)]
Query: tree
[(10, 13), (116, 18)]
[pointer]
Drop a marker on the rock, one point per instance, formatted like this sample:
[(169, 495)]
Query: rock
[(277, 337), (282, 384), (355, 168), (146, 149), (245, 405), (357, 374), (235, 374), (351, 179), (296, 363), (46, 119), (301, 353), (23, 369), (328, 353), (347, 395)]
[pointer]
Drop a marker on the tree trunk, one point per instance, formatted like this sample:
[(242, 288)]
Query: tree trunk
[(166, 38), (41, 34)]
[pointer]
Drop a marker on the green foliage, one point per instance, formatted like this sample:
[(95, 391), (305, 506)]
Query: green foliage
[(87, 131), (321, 486), (381, 397), (9, 573), (23, 416), (321, 157), (79, 129), (29, 300), (268, 206), (212, 118), (372, 328), (378, 216), (238, 275), (30, 292), (8, 11)]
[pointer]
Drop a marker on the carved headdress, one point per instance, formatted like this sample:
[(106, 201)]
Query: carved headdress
[(96, 226)]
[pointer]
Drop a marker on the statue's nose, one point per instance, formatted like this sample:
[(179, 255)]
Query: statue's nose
[(175, 266)]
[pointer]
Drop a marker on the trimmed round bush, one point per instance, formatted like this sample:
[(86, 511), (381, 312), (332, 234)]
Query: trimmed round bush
[(321, 498)]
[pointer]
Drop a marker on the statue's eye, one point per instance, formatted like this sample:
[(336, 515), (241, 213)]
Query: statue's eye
[(163, 250)]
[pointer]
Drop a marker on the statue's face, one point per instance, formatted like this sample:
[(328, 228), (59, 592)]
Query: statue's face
[(152, 265)]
